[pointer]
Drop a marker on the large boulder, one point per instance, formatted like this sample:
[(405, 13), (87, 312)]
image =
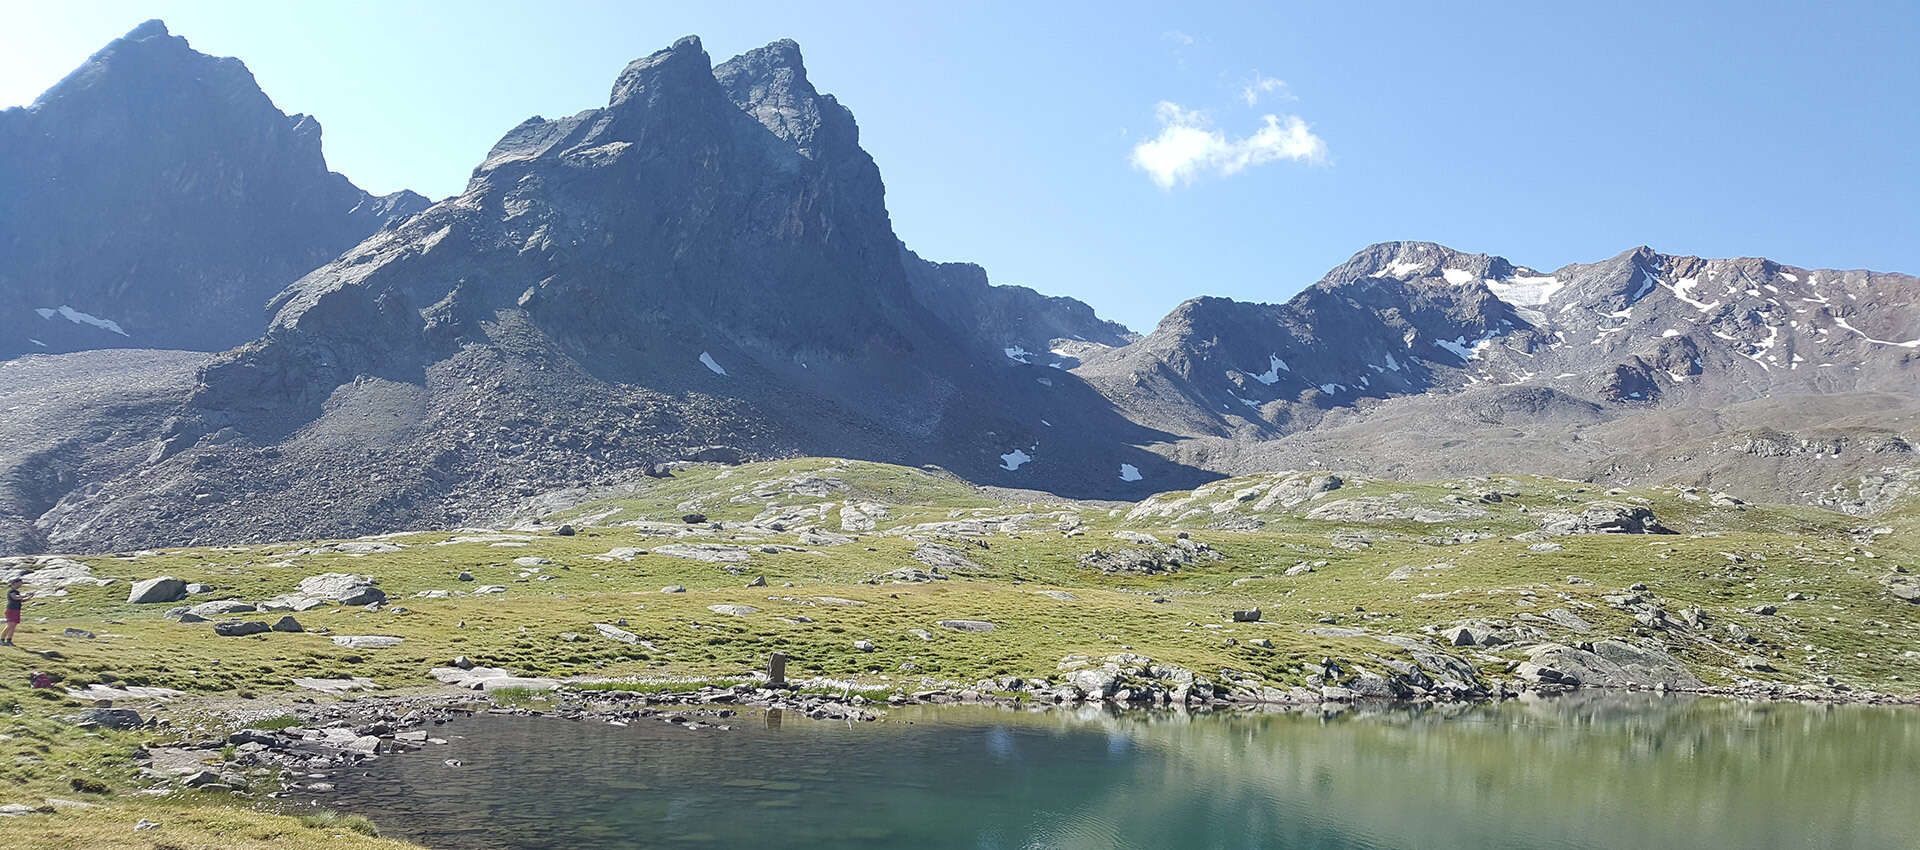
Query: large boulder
[(1609, 664), (161, 589), (110, 718), (1604, 517), (344, 588), (239, 628), (221, 608)]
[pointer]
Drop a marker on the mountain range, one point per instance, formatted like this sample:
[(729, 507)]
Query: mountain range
[(213, 338)]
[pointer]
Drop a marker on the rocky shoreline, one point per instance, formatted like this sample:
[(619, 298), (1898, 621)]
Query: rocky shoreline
[(298, 760)]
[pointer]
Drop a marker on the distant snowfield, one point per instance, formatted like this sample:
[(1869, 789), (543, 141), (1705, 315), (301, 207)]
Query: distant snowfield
[(708, 361), (1013, 460), (1129, 472), (79, 318), (1526, 290)]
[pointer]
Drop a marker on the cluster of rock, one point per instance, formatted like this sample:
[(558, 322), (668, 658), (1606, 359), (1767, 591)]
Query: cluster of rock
[(1604, 517), (49, 575), (1149, 556), (315, 591)]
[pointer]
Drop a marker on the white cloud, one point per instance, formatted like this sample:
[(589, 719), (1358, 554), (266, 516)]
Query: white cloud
[(1260, 85), (1188, 146), (1177, 37)]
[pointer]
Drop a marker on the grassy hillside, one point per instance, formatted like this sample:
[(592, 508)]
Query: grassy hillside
[(831, 538)]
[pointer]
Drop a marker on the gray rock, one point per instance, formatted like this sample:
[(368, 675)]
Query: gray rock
[(733, 609), (674, 588), (616, 634), (940, 556), (366, 641), (239, 628), (288, 624), (967, 625), (110, 718), (344, 588), (155, 590), (1250, 615), (863, 645), (221, 608), (1611, 664)]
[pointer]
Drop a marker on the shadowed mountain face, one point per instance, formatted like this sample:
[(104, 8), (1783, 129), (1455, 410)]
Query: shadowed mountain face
[(1013, 322), (155, 198)]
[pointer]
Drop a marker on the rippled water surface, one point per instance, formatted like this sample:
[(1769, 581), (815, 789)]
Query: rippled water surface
[(1616, 772)]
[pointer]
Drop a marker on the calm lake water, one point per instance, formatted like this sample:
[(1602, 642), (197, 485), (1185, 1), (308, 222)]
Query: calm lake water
[(1618, 771)]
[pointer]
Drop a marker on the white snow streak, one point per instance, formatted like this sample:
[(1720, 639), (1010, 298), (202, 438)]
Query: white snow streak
[(708, 361), (79, 318)]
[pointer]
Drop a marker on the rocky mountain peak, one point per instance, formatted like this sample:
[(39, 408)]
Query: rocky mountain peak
[(156, 197), (685, 63), (770, 83)]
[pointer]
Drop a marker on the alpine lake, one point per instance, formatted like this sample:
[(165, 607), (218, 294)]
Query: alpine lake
[(1588, 771)]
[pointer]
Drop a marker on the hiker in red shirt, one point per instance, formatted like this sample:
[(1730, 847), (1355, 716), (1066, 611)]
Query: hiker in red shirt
[(14, 599)]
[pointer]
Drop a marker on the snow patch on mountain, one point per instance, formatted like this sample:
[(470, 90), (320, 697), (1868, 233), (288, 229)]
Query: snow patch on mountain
[(1013, 460), (1526, 290), (1274, 367), (79, 318), (708, 361)]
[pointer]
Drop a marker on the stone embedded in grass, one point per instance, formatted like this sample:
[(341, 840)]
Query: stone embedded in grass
[(733, 610), (110, 718), (1250, 615), (366, 641), (1057, 595), (221, 608), (967, 625), (621, 553), (239, 628), (336, 686), (940, 556), (863, 645), (615, 633), (710, 552), (674, 588), (289, 625)]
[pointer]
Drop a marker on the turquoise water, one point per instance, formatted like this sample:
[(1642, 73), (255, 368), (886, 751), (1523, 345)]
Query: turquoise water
[(1628, 772)]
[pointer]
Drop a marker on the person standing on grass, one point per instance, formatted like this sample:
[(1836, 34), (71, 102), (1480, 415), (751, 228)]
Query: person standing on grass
[(14, 599)]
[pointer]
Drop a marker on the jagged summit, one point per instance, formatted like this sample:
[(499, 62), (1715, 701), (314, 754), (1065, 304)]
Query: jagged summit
[(147, 29), (157, 198)]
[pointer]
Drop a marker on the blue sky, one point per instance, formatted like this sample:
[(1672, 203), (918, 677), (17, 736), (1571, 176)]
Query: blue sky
[(1010, 134)]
